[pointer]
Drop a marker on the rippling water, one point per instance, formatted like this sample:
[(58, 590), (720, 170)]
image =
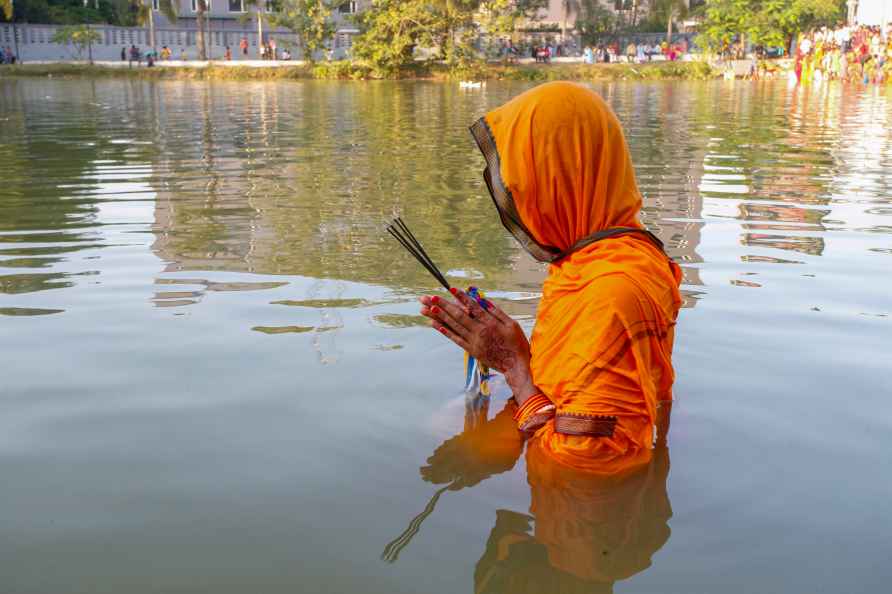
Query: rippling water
[(214, 378)]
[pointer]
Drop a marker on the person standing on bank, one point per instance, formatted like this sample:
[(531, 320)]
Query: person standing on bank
[(590, 382)]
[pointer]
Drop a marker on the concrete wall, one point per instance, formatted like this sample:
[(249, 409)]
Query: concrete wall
[(225, 28), (34, 40), (221, 11)]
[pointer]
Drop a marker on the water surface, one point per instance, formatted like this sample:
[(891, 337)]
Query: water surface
[(214, 377)]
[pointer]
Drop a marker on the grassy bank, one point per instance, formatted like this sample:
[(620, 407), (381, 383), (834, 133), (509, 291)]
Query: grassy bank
[(210, 72), (347, 71)]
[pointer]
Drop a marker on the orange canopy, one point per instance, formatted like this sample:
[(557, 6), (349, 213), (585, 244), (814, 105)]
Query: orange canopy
[(602, 343)]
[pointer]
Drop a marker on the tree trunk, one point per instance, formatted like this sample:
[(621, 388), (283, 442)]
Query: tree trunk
[(199, 33), (669, 31), (151, 27), (15, 37), (90, 44), (564, 22), (743, 45), (260, 29)]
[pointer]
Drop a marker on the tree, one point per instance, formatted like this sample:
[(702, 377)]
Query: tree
[(200, 11), (568, 7), (723, 22), (311, 22), (259, 8), (593, 21), (82, 37), (390, 32), (6, 6), (778, 21), (668, 11), (503, 16), (765, 22), (147, 16)]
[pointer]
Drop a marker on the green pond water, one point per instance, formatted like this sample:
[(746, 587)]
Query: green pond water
[(213, 377)]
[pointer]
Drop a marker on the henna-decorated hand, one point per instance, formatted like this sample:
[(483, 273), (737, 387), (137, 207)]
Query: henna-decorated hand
[(490, 335)]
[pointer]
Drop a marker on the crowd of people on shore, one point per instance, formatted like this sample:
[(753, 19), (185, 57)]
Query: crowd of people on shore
[(634, 53), (542, 52), (603, 53), (853, 53), (133, 54)]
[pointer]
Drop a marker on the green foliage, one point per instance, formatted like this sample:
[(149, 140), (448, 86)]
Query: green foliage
[(80, 36), (765, 22), (71, 12), (341, 70), (349, 70), (656, 71), (593, 21), (392, 31), (723, 21), (504, 16), (310, 20)]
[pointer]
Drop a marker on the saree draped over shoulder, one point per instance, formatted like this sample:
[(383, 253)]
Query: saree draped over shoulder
[(561, 176)]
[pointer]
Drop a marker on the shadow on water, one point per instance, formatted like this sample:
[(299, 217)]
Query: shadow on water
[(585, 531)]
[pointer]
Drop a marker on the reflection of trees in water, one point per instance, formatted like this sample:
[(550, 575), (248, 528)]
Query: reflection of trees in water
[(59, 148), (46, 158), (305, 188), (750, 160), (657, 122)]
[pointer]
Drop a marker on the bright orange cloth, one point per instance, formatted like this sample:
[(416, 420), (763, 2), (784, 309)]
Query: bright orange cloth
[(602, 344), (591, 529)]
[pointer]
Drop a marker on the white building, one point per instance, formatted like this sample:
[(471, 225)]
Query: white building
[(870, 12), (230, 20)]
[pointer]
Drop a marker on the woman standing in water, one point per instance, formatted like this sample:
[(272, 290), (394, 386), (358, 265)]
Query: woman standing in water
[(589, 384)]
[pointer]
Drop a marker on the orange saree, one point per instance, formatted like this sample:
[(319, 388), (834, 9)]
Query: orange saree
[(560, 173)]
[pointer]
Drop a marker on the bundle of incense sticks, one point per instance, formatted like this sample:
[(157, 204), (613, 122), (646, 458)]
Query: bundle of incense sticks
[(401, 233)]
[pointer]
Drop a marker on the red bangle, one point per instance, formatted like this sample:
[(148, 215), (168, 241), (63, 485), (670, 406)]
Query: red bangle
[(530, 407)]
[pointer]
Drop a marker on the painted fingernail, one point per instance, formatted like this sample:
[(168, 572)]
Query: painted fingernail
[(442, 329), (435, 299), (436, 310), (454, 291)]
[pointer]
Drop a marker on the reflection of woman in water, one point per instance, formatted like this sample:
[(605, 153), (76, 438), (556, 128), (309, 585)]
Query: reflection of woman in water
[(590, 382), (590, 530), (587, 529)]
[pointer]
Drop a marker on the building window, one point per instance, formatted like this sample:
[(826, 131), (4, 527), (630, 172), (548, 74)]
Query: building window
[(347, 7), (236, 5), (194, 6), (155, 5)]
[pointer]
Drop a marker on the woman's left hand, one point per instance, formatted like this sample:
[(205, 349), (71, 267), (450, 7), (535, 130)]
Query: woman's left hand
[(490, 335)]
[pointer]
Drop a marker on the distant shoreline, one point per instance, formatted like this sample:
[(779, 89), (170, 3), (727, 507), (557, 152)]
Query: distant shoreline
[(345, 70)]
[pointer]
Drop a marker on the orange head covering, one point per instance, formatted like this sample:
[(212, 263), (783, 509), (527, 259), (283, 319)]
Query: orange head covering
[(561, 176)]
